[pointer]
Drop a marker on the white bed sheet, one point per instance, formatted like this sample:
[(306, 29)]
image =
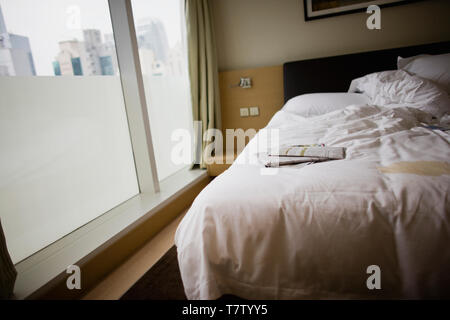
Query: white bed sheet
[(312, 232)]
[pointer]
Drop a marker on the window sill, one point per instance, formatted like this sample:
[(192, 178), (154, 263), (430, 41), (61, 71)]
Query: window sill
[(40, 268)]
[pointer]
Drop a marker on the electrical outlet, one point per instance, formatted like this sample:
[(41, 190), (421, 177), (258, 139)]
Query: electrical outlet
[(245, 83), (254, 111), (243, 112)]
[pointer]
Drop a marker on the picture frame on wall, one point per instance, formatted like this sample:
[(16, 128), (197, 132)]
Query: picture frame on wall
[(317, 9)]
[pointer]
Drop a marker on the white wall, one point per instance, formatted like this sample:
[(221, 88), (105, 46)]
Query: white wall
[(254, 33), (66, 156)]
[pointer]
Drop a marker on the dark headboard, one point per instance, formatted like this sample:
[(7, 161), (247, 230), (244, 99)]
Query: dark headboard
[(334, 74)]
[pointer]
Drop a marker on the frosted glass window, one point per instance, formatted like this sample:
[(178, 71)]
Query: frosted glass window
[(66, 155)]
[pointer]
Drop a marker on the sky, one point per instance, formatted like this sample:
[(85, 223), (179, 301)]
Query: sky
[(46, 22)]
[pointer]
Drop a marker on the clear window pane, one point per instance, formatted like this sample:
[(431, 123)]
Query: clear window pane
[(163, 56), (56, 37), (66, 156)]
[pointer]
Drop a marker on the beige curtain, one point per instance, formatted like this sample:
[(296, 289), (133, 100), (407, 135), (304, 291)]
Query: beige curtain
[(8, 272), (203, 71)]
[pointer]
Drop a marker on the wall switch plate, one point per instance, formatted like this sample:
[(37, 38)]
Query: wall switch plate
[(243, 112), (254, 111)]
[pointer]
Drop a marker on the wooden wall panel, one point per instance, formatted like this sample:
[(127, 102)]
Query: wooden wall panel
[(266, 93)]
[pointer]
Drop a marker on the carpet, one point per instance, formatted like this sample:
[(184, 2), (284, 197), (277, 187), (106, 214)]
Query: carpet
[(162, 282)]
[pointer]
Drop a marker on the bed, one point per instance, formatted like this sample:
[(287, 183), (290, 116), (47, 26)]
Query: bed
[(316, 231)]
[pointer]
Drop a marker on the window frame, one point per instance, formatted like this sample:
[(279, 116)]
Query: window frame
[(134, 94)]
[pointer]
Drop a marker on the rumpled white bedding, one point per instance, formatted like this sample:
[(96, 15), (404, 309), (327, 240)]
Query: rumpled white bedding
[(311, 231), (397, 87)]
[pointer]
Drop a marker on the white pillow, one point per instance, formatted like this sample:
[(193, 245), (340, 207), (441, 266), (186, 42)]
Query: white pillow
[(435, 68), (314, 104), (398, 87)]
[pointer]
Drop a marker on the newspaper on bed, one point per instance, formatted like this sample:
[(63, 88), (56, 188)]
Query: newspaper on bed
[(300, 155), (330, 153), (274, 162)]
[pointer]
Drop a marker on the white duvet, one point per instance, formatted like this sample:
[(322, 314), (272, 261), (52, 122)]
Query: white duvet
[(311, 232)]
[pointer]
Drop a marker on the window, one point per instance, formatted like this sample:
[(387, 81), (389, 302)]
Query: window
[(161, 41), (86, 139), (78, 139), (66, 151)]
